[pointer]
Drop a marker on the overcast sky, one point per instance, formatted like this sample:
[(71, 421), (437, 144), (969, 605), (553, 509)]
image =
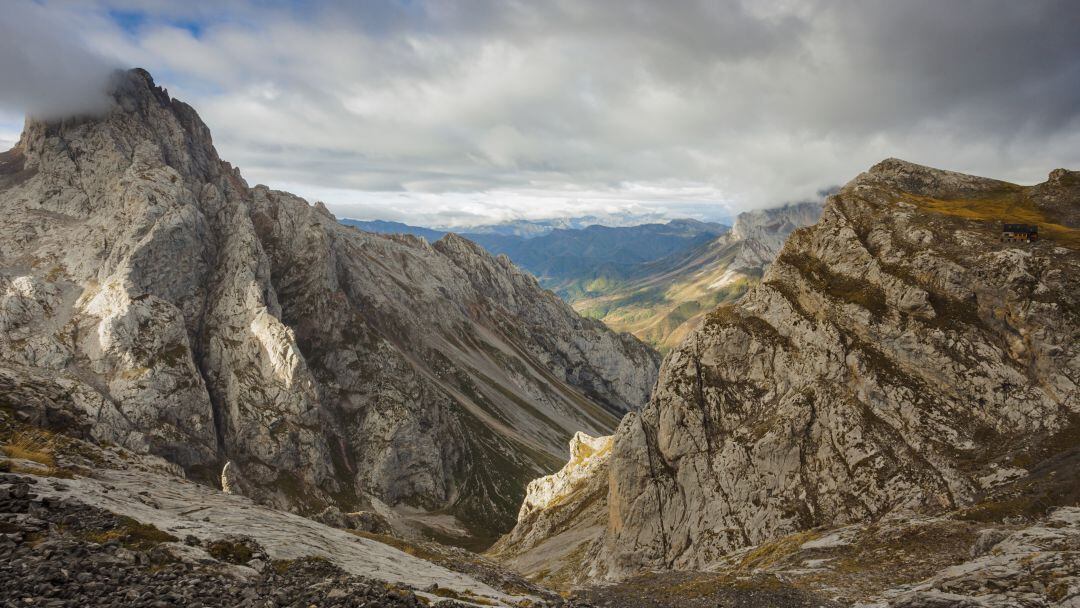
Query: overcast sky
[(464, 112)]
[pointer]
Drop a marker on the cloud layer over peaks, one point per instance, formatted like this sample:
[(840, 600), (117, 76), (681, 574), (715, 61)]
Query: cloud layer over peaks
[(531, 109)]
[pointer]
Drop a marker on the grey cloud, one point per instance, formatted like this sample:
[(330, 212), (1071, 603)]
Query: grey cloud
[(712, 103), (45, 69), (991, 66)]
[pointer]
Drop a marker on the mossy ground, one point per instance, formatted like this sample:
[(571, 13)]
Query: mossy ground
[(232, 551), (461, 596), (838, 286), (132, 534), (704, 589), (455, 560), (767, 554)]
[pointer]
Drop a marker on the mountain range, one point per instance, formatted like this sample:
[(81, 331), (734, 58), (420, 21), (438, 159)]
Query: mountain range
[(662, 300), (524, 229), (577, 261), (655, 281), (219, 394)]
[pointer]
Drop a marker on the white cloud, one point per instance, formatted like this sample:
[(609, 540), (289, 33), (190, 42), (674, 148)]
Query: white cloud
[(531, 109)]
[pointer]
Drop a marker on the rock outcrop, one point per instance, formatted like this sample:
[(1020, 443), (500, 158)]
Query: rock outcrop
[(760, 234), (150, 298), (896, 358), (562, 517)]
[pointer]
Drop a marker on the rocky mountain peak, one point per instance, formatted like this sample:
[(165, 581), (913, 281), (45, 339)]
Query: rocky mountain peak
[(136, 87), (1058, 176), (774, 223), (919, 179), (896, 358), (150, 298), (452, 241)]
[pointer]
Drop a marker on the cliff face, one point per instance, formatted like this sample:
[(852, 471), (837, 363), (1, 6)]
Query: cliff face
[(760, 234), (897, 357), (152, 299), (563, 517), (894, 354)]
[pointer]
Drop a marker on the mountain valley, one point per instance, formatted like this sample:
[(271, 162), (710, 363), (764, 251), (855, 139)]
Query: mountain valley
[(661, 301), (655, 281), (213, 394)]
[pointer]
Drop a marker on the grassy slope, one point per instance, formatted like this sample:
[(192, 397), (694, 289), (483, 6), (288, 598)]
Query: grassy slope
[(662, 306), (1007, 205)]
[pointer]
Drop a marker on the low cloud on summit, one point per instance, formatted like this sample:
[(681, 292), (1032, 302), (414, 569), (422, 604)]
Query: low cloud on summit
[(431, 111), (46, 70)]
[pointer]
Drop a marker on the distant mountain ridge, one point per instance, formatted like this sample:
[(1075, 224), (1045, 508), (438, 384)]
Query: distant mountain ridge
[(534, 228), (661, 301), (655, 281), (387, 227), (574, 261), (525, 229)]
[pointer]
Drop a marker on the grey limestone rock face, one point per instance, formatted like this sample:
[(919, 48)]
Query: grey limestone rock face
[(761, 233), (894, 354), (152, 299), (896, 357)]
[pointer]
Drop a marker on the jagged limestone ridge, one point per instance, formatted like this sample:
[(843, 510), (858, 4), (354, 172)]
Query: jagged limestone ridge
[(152, 299), (897, 356)]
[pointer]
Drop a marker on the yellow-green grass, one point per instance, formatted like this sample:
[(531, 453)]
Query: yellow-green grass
[(1003, 206), (769, 553), (132, 534), (663, 319), (33, 445), (463, 596)]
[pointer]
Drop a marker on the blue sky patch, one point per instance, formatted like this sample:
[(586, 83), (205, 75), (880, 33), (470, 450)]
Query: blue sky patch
[(133, 21)]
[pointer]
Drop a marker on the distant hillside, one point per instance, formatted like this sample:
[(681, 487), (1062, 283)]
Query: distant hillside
[(661, 301), (574, 263), (579, 262)]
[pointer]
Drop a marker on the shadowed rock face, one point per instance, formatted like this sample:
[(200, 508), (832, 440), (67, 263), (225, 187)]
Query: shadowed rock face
[(151, 298), (896, 356)]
